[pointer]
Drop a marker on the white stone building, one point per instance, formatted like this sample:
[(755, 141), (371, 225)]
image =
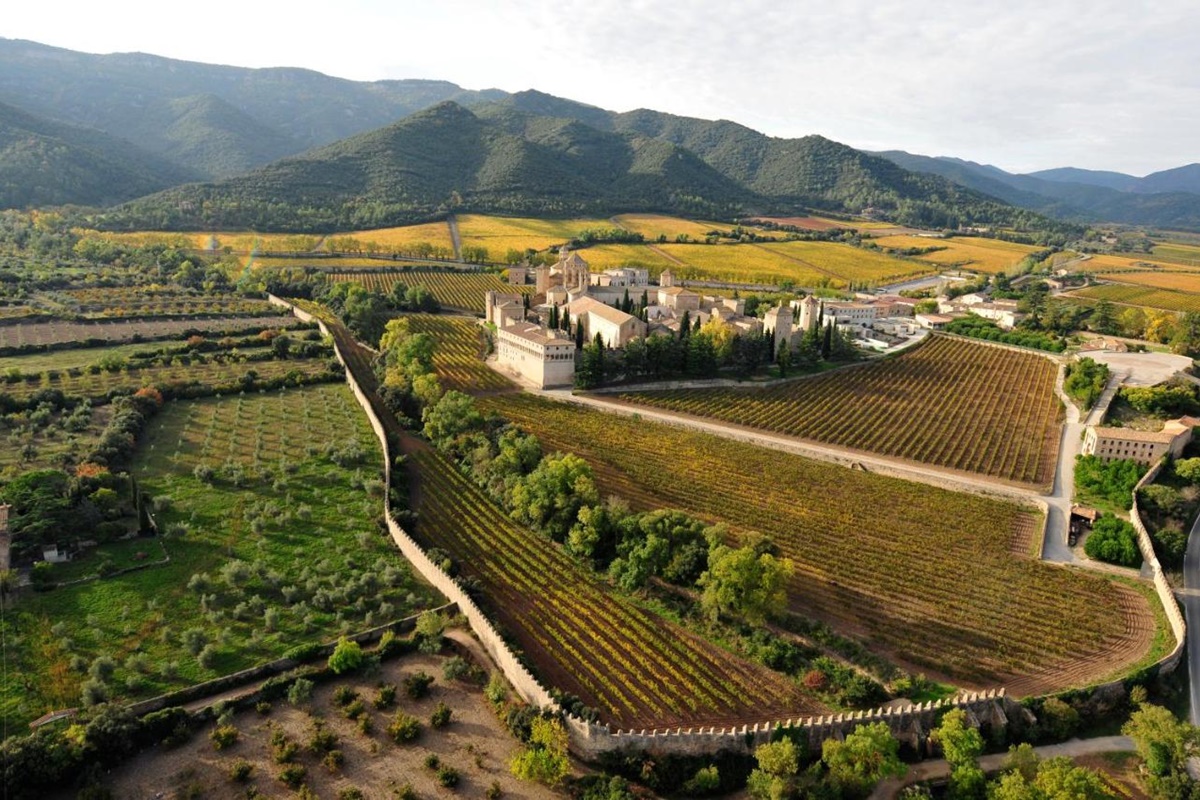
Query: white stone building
[(1145, 447), (616, 328), (542, 357)]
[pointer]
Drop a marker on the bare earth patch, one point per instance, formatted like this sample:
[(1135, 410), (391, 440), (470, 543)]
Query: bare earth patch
[(475, 743)]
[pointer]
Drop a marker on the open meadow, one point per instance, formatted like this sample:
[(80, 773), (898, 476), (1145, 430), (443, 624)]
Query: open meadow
[(939, 581), (269, 505), (949, 403)]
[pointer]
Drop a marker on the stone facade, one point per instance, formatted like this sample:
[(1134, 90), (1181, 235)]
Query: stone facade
[(615, 327), (542, 357), (1144, 447)]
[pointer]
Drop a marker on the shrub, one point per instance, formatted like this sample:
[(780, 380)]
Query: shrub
[(494, 792), (1057, 720), (440, 717), (300, 691), (417, 685), (223, 736), (404, 728), (102, 668), (545, 759), (447, 777), (240, 771), (293, 775), (93, 692), (321, 739), (355, 710), (1113, 540), (404, 791), (334, 760), (263, 707), (707, 780), (496, 692), (385, 696), (346, 657), (350, 793), (432, 761), (458, 668), (207, 657), (285, 751), (344, 696), (303, 652)]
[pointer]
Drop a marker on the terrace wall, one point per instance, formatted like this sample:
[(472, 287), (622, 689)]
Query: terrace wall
[(910, 724)]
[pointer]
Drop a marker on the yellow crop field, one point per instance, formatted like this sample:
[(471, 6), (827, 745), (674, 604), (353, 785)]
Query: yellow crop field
[(500, 234), (741, 263), (1106, 262), (978, 255), (611, 256), (850, 263), (1181, 281), (390, 240), (1188, 254), (654, 225)]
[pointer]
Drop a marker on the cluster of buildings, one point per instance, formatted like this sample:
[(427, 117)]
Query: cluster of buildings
[(527, 347), (1003, 312)]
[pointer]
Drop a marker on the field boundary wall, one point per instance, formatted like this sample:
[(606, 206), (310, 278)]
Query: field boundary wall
[(911, 723)]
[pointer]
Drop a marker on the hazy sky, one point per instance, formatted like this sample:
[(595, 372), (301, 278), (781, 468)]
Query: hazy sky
[(1023, 84)]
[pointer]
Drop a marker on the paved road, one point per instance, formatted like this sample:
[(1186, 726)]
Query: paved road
[(1191, 608), (940, 770)]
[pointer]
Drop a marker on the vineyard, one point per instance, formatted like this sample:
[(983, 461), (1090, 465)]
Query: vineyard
[(878, 558), (1175, 280), (949, 403), (979, 255), (1145, 296), (61, 332), (451, 288), (850, 264), (501, 234), (652, 226), (436, 234), (236, 241), (1178, 253), (612, 256), (282, 505), (638, 670), (1105, 262), (223, 374), (458, 358)]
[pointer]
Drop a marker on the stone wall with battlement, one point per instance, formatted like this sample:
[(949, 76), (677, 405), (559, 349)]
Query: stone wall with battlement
[(911, 724)]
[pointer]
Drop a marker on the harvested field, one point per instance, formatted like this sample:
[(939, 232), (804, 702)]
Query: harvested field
[(925, 575), (62, 332), (637, 669), (452, 288), (950, 403)]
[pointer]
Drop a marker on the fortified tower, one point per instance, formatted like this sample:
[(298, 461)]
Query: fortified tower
[(779, 320), (575, 271), (810, 310)]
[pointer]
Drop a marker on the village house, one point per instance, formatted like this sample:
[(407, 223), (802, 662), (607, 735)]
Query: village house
[(1144, 447)]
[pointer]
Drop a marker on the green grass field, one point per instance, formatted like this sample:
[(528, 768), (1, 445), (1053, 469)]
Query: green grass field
[(300, 528)]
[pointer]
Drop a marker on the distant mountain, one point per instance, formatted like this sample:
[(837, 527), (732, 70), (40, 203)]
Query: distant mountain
[(212, 120), (810, 172), (1089, 177), (47, 163), (1141, 204), (447, 158), (1180, 179)]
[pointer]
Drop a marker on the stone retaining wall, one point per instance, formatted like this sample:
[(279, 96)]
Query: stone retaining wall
[(1165, 593)]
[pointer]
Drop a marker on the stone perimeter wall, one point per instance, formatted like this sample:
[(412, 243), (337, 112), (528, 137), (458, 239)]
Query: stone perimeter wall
[(910, 724), (1165, 593)]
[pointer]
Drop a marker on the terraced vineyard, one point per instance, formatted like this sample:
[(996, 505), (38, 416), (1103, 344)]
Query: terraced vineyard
[(451, 288), (1145, 296), (130, 301), (223, 373), (949, 403), (459, 355), (59, 332), (939, 580), (637, 669)]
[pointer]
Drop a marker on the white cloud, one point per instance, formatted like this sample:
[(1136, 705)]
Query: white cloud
[(1022, 84)]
